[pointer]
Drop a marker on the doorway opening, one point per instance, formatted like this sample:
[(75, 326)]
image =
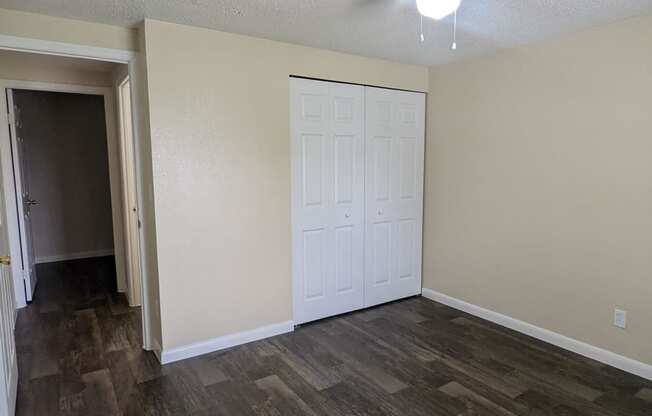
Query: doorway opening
[(79, 298), (69, 170), (65, 206), (70, 191)]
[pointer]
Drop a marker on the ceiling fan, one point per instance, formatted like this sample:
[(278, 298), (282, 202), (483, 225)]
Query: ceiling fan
[(434, 9), (438, 9)]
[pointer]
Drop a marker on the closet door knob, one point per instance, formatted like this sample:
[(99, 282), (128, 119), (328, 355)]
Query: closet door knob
[(380, 212), (347, 215)]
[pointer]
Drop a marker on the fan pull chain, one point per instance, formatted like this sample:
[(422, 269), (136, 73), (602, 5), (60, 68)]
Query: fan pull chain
[(454, 45), (422, 38)]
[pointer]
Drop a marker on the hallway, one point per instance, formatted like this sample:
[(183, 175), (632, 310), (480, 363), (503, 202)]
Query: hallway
[(76, 341)]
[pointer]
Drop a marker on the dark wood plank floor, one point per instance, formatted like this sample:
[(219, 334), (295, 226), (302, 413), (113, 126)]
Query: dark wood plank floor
[(79, 354)]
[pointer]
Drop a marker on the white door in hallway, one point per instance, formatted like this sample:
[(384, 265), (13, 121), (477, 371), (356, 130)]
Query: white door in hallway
[(25, 202), (327, 143), (394, 129), (8, 362)]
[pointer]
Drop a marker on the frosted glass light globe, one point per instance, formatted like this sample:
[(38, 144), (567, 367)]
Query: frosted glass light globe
[(437, 9)]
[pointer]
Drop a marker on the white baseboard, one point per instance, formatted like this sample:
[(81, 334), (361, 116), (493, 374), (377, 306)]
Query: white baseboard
[(227, 341), (607, 357), (74, 256)]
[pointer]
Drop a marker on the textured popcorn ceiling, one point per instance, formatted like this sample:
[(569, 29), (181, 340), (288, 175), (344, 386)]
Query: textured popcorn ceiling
[(376, 28)]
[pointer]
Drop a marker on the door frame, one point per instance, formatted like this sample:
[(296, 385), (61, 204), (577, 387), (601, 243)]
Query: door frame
[(126, 147), (13, 177), (133, 60)]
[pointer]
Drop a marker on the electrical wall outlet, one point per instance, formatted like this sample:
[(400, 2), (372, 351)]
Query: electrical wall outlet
[(620, 318)]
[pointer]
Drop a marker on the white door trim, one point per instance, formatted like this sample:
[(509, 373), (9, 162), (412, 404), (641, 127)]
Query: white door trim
[(132, 59), (131, 215), (46, 47)]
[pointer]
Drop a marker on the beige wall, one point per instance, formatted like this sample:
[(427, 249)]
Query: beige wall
[(34, 67), (219, 110), (67, 170), (538, 201), (38, 26)]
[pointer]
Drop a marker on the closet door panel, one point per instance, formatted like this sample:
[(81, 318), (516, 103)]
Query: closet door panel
[(315, 249), (394, 129), (327, 198), (347, 102), (344, 261), (381, 249)]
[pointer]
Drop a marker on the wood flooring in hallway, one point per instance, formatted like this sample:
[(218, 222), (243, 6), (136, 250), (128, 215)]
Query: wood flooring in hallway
[(79, 354)]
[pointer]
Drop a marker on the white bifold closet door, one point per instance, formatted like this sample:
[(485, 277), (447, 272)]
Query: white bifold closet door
[(357, 196), (394, 130), (327, 124)]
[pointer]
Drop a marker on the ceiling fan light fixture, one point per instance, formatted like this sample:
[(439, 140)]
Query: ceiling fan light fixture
[(437, 9)]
